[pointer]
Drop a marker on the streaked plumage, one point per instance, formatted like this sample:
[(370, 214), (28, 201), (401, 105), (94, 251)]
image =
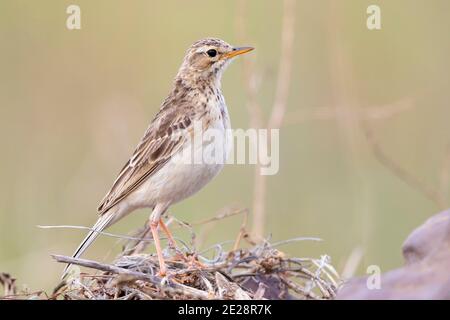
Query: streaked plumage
[(151, 177)]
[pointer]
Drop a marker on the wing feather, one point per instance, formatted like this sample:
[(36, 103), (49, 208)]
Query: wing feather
[(164, 137)]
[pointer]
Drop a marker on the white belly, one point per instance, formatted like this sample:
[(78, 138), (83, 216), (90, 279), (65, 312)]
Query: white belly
[(178, 180)]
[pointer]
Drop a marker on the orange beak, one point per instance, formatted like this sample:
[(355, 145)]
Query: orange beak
[(237, 51)]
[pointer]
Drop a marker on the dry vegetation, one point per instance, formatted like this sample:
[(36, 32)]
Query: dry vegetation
[(251, 271)]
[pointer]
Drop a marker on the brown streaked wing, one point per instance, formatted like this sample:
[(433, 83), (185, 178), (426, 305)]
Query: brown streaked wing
[(155, 149)]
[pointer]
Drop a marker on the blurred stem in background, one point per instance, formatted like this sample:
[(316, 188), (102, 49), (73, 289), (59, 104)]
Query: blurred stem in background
[(353, 120), (278, 110)]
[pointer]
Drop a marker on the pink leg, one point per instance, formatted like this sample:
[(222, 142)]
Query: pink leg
[(166, 230), (162, 264)]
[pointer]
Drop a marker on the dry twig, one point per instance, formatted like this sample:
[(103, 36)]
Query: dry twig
[(279, 106), (257, 272)]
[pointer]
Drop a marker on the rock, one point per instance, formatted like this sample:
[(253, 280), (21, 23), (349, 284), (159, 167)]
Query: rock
[(422, 241), (426, 274)]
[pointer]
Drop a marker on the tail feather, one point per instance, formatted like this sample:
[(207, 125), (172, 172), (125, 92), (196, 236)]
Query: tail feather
[(102, 223)]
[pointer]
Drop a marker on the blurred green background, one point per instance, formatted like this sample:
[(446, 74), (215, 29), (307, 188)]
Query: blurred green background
[(74, 104)]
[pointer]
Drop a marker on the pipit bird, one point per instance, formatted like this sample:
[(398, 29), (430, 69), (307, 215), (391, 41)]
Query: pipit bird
[(152, 178)]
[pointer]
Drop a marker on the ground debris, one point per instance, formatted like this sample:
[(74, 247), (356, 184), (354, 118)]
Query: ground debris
[(257, 272)]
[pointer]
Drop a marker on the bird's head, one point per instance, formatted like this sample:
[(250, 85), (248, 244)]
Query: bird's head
[(206, 59)]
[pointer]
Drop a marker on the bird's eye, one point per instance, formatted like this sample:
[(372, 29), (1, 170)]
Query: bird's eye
[(212, 53)]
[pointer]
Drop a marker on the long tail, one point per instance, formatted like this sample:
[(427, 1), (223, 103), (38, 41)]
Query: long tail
[(102, 223)]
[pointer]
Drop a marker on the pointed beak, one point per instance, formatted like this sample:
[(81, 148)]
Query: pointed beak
[(237, 51)]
